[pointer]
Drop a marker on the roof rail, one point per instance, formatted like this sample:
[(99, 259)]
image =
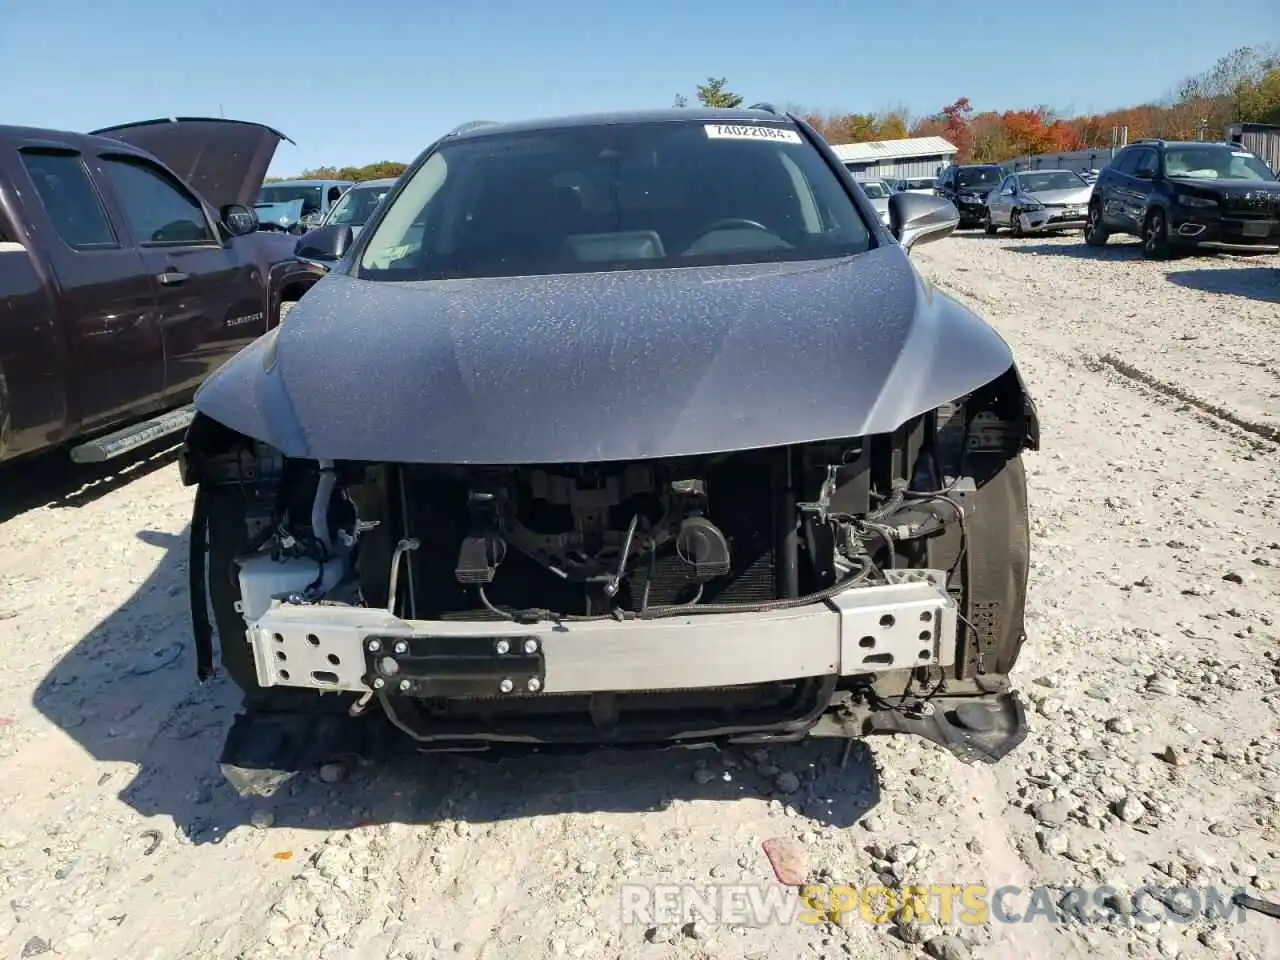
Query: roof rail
[(766, 107), (471, 125)]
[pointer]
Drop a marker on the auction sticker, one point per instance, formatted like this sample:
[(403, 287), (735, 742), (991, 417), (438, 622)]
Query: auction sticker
[(733, 131)]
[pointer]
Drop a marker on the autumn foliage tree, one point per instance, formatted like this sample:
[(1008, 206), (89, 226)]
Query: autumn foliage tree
[(1242, 86)]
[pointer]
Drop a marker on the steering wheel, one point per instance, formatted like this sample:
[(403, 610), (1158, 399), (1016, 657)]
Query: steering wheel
[(735, 222)]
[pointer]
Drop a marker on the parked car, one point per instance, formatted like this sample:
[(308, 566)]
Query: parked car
[(1038, 200), (923, 185), (130, 268), (967, 186), (355, 206), (620, 428), (877, 192), (1178, 195), (296, 206)]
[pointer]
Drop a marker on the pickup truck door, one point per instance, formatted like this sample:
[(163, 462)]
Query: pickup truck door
[(105, 315), (210, 290)]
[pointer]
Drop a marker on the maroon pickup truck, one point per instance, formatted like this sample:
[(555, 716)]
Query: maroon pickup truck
[(131, 267)]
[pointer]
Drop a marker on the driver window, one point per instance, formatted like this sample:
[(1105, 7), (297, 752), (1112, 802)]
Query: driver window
[(158, 208), (1147, 162)]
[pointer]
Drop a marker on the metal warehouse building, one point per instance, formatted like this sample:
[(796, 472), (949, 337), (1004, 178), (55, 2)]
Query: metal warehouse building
[(896, 159), (1077, 160)]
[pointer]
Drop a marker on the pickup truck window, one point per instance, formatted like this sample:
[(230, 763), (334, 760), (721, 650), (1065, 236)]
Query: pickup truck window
[(68, 196), (159, 210)]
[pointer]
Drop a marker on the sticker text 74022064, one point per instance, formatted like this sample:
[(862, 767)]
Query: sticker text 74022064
[(736, 131)]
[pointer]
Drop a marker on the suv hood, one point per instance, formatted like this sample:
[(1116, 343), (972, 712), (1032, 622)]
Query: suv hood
[(1229, 187), (224, 160), (605, 366)]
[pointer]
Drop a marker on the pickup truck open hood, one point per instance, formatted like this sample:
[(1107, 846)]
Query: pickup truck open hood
[(605, 366), (224, 160)]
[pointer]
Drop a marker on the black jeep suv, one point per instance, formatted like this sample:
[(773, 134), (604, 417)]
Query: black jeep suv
[(1183, 195), (967, 186)]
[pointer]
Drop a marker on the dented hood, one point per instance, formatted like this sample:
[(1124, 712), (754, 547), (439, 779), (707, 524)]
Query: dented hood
[(224, 160), (605, 366)]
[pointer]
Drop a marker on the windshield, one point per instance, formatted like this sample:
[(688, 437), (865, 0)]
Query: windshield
[(1050, 180), (356, 206), (875, 189), (980, 176), (620, 196), (1213, 162), (920, 183), (310, 196)]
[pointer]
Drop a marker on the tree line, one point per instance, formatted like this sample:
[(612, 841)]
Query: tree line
[(1243, 86)]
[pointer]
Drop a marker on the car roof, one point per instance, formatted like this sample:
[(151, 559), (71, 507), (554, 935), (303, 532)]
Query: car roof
[(669, 115)]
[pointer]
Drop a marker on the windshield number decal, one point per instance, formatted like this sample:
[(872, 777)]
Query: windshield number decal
[(729, 131)]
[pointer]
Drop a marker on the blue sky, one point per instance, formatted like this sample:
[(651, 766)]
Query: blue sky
[(353, 87)]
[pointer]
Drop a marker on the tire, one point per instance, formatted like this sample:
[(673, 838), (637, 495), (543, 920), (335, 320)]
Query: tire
[(224, 538), (990, 225), (1155, 236), (1095, 234), (1015, 225), (1000, 560)]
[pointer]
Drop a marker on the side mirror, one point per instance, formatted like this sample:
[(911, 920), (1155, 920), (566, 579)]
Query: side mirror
[(239, 219), (324, 243), (916, 218)]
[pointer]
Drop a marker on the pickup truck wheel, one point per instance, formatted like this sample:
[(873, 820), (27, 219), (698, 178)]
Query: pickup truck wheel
[(227, 538), (1095, 234)]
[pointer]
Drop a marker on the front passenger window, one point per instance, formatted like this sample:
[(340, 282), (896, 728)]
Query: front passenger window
[(159, 210)]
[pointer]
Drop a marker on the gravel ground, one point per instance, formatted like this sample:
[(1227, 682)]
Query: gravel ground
[(1153, 671)]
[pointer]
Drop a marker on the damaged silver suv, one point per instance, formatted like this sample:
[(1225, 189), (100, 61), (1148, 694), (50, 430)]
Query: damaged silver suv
[(609, 429)]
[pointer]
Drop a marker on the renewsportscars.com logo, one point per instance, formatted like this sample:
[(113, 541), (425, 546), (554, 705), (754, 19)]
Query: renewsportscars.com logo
[(759, 905)]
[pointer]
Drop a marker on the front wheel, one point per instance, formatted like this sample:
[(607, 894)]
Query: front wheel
[(1015, 222), (1095, 234), (990, 225), (1155, 236)]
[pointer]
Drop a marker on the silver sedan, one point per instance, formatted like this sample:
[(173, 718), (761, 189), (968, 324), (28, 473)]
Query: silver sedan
[(877, 192), (1038, 200)]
